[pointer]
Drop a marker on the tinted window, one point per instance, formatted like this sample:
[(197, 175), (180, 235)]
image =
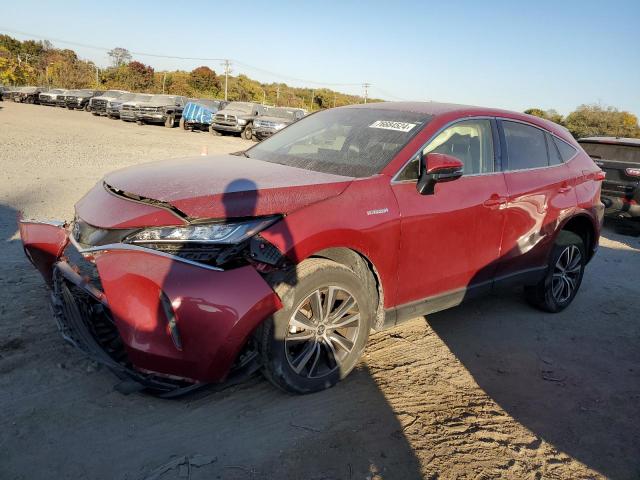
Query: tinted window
[(470, 141), (619, 153), (554, 154), (566, 150), (357, 142), (526, 146)]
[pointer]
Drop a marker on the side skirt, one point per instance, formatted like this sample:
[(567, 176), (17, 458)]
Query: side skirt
[(402, 313)]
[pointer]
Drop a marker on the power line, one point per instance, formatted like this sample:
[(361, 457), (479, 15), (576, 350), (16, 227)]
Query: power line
[(175, 57)]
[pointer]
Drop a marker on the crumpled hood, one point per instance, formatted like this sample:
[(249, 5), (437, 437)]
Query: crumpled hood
[(227, 186)]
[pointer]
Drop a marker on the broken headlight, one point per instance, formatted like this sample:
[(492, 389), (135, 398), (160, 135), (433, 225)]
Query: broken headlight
[(218, 233)]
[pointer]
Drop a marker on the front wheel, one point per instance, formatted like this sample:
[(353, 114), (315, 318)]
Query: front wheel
[(182, 125), (247, 133), (560, 285), (213, 131), (170, 121), (318, 336)]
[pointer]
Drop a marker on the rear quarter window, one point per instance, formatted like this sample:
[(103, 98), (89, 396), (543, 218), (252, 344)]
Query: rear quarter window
[(566, 151)]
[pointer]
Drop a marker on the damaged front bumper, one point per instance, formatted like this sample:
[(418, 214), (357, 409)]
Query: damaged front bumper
[(167, 323)]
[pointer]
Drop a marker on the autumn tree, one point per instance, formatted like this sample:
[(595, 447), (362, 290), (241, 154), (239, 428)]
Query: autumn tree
[(119, 56), (204, 79), (552, 115), (595, 120)]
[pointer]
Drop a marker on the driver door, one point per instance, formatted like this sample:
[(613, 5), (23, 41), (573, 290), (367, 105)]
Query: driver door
[(450, 240)]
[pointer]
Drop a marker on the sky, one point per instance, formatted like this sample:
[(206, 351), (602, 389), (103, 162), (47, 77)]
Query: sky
[(504, 54)]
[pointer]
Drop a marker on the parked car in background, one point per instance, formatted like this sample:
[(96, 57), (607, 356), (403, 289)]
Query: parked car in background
[(237, 117), (51, 96), (127, 109), (4, 92), (79, 100), (275, 119), (620, 159), (114, 106), (164, 109), (198, 113), (98, 104), (27, 94), (189, 271)]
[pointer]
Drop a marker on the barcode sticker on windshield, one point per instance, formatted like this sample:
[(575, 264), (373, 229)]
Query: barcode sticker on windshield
[(391, 125)]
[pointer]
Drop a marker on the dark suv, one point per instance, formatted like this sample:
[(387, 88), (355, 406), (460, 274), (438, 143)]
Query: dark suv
[(285, 256), (620, 159)]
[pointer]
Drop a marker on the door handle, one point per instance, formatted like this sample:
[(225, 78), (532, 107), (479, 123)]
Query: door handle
[(495, 201)]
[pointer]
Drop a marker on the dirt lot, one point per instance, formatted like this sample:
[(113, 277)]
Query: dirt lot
[(491, 389)]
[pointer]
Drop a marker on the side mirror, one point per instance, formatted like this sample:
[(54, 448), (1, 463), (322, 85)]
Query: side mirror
[(437, 168)]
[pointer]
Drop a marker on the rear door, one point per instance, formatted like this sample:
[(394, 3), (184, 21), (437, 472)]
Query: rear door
[(450, 240), (540, 191)]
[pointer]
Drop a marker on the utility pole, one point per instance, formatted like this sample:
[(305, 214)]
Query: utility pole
[(97, 76), (334, 99), (277, 95), (227, 69), (164, 79), (313, 94), (366, 86)]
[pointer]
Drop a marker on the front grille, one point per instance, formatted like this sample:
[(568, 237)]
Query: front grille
[(99, 104), (148, 109), (127, 108), (267, 124), (224, 119)]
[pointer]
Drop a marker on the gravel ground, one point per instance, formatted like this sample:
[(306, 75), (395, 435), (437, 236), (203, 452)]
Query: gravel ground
[(492, 389)]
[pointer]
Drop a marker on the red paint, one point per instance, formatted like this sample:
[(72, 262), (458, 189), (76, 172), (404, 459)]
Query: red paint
[(43, 245), (468, 232), (216, 312)]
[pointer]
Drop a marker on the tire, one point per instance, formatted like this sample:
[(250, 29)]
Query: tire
[(247, 133), (558, 288), (181, 124), (170, 122), (139, 122), (313, 354), (213, 131)]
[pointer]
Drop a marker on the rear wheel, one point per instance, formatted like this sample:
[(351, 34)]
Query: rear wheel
[(560, 285), (318, 336), (170, 122), (181, 124)]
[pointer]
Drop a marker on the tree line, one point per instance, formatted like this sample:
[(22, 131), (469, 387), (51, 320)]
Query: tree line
[(33, 62), (594, 121)]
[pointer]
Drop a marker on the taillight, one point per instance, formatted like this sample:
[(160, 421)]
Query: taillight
[(600, 175), (633, 172)]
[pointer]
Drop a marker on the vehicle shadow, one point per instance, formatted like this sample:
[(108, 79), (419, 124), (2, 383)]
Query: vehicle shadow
[(571, 378), (349, 431)]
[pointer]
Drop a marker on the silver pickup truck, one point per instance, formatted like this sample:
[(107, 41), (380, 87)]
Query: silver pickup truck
[(237, 117)]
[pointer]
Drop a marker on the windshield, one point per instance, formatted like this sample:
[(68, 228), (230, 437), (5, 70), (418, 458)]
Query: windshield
[(617, 153), (242, 107), (357, 142), (126, 97), (56, 90), (112, 93), (279, 113), (215, 104), (141, 97), (163, 100)]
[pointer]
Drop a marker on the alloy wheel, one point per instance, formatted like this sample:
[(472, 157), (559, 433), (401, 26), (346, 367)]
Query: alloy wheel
[(566, 274), (322, 332)]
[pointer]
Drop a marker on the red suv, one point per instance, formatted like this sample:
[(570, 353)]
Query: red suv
[(185, 272)]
